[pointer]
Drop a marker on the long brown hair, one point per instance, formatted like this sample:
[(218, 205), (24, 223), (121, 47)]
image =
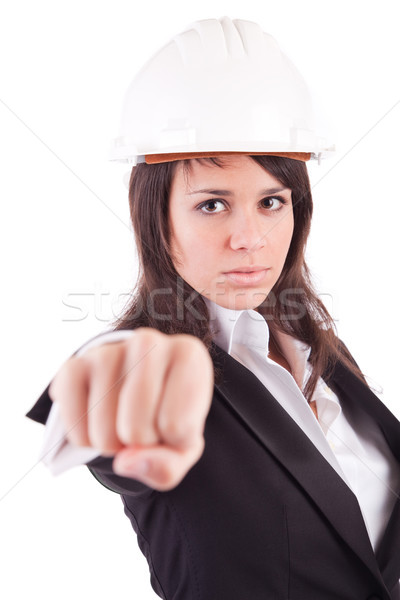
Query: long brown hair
[(163, 300)]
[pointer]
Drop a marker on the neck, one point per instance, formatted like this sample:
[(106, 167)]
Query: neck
[(275, 354)]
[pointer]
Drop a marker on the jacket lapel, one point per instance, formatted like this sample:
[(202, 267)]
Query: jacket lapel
[(388, 553), (281, 435), (358, 396)]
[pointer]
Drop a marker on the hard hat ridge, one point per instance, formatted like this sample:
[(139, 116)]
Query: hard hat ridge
[(254, 39), (219, 39), (234, 41)]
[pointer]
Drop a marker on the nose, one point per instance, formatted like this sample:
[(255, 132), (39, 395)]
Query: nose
[(247, 233)]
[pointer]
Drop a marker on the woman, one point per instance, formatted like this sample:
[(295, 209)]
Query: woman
[(281, 479)]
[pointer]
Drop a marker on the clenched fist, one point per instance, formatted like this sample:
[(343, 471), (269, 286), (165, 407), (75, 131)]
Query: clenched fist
[(143, 400)]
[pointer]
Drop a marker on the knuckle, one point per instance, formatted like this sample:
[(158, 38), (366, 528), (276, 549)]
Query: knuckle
[(145, 339), (64, 375), (104, 441), (103, 357), (68, 382), (176, 431), (188, 343), (191, 349), (131, 435), (109, 446), (125, 433), (133, 430), (78, 440), (78, 435), (95, 436)]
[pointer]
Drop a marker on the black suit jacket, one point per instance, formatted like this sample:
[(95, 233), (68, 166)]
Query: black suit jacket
[(262, 515)]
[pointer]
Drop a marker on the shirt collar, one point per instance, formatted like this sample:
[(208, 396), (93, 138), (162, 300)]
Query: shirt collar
[(250, 329), (234, 328), (328, 405), (245, 327), (297, 354)]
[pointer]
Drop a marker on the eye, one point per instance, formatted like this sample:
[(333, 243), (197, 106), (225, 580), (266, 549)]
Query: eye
[(273, 203), (211, 206)]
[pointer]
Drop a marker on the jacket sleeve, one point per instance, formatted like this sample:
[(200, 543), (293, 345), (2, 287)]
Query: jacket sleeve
[(41, 409)]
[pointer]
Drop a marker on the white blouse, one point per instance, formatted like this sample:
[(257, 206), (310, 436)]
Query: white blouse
[(357, 451)]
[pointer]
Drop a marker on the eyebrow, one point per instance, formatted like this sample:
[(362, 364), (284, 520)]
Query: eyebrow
[(213, 192)]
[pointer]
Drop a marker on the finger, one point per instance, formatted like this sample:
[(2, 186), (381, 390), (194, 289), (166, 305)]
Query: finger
[(69, 389), (145, 365), (160, 467), (106, 379), (187, 393)]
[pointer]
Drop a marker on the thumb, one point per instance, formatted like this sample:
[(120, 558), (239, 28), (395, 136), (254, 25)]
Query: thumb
[(159, 467)]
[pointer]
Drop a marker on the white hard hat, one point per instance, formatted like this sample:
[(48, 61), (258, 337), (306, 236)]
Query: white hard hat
[(220, 86)]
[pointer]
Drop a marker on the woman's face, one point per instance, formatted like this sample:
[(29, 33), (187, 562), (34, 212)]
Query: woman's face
[(231, 228)]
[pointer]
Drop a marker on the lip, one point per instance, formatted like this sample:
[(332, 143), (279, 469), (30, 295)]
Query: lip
[(246, 276), (250, 269)]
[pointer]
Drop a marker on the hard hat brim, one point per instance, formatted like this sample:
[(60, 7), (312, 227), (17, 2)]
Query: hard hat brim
[(152, 159)]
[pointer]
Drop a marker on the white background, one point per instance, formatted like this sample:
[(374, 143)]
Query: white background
[(65, 236)]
